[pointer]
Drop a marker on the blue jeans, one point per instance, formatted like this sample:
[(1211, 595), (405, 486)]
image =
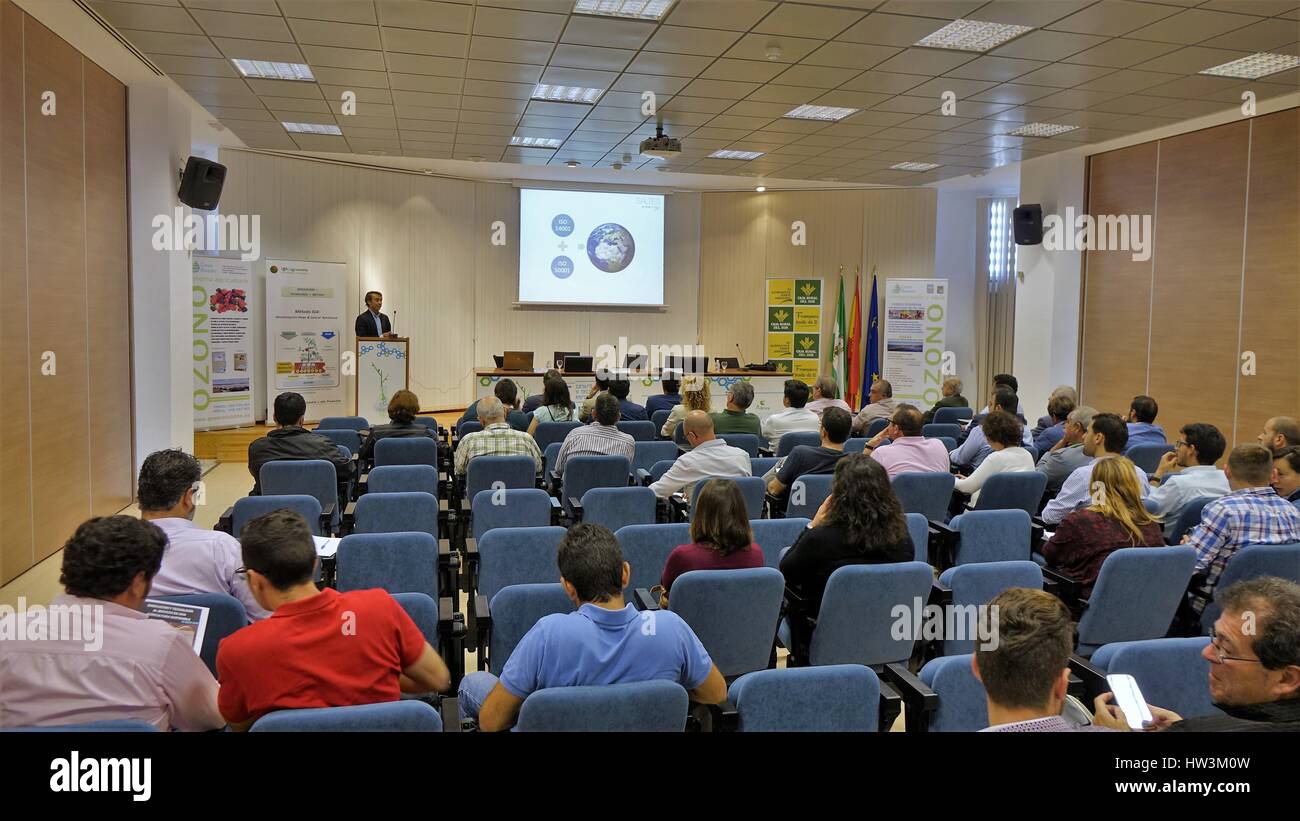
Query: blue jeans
[(474, 690)]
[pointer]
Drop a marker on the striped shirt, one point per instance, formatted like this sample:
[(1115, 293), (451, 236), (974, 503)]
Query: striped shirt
[(497, 439), (595, 440), (1253, 515)]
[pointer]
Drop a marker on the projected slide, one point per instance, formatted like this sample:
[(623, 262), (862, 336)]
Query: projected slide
[(589, 248)]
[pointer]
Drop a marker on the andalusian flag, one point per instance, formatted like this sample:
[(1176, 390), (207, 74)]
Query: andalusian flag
[(854, 388), (837, 361)]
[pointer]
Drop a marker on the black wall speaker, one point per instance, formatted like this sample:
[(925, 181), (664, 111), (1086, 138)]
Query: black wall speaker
[(1027, 224), (201, 183)]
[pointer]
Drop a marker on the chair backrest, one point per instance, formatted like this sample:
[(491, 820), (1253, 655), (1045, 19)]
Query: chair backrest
[(1170, 672), (937, 429), (112, 725), (515, 609), (641, 430), (963, 704), (924, 493), (747, 442), (467, 427), (648, 453), (403, 479), (854, 625), (250, 507), (646, 549), (423, 610), (734, 614), (1147, 457), (656, 706), (752, 490), (1252, 561), (679, 436), (403, 512), (1136, 595), (406, 450), (550, 455), (408, 716), (582, 473), (795, 438), (549, 433), (396, 562), (943, 415), (428, 421), (855, 444), (834, 698), (517, 471), (347, 437), (1009, 491), (918, 527), (975, 585), (992, 536), (949, 443), (343, 423), (226, 614), (615, 507), (760, 465), (514, 507), (1188, 518), (312, 477), (876, 426), (807, 494), (775, 535), (658, 418), (517, 555), (658, 469)]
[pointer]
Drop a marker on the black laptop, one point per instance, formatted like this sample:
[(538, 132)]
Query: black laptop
[(578, 364)]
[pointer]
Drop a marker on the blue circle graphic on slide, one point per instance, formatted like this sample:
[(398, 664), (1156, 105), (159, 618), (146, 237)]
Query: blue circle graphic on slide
[(610, 247), (562, 267), (562, 225)]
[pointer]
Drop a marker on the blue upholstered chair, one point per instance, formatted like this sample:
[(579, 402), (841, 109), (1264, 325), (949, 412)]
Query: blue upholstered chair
[(655, 706), (733, 613), (408, 716), (834, 698)]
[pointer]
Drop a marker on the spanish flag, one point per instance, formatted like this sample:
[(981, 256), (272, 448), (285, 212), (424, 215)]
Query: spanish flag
[(854, 388)]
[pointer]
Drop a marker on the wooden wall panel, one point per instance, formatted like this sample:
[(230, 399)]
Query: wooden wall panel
[(733, 266), (1271, 297)]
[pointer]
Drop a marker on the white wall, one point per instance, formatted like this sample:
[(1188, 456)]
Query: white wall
[(954, 258)]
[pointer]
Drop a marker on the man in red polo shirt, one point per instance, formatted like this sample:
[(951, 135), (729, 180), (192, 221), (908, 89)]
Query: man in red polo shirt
[(319, 648)]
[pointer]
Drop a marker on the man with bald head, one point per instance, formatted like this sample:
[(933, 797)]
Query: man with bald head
[(709, 457), (496, 439), (1280, 432)]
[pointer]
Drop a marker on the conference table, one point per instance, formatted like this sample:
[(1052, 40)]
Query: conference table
[(769, 386)]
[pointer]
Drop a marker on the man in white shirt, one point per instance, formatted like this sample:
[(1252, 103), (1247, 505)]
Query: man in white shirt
[(709, 457), (1106, 436), (794, 417), (826, 394), (882, 406), (1201, 446), (196, 560)]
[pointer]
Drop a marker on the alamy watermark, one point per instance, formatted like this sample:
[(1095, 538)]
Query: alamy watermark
[(954, 622), (212, 233), (611, 358), (57, 622), (1103, 232)]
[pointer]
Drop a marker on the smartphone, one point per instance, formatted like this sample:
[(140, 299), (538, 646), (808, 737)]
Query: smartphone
[(1129, 699)]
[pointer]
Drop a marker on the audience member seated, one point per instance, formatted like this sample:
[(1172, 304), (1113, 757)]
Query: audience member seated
[(291, 441), (556, 405), (535, 401), (1026, 672), (1058, 410), (1045, 422), (1286, 467), (735, 418), (861, 522), (601, 385), (695, 396), (795, 416), (605, 641), (881, 405), (907, 451), (118, 663), (321, 648), (402, 410), (600, 438), (952, 398), (496, 439), (1107, 435), (720, 536), (805, 459), (1196, 477), (667, 400), (970, 454), (1280, 432), (1004, 382), (1116, 518), (1254, 655), (826, 394), (1142, 429), (1005, 436), (1251, 514), (196, 560), (708, 457), (507, 392), (1067, 454), (630, 411)]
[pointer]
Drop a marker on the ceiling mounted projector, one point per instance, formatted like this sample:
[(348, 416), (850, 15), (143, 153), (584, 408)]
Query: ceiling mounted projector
[(661, 146)]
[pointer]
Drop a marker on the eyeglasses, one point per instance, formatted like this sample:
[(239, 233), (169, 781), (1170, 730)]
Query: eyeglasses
[(1218, 651), (1180, 443)]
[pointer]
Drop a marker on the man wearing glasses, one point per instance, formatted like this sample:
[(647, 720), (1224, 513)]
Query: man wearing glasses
[(1188, 473)]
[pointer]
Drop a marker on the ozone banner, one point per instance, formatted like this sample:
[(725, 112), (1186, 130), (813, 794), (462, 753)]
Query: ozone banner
[(916, 320), (222, 346), (304, 334)]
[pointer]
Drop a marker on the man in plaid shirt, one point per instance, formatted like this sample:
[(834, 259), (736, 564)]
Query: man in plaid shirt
[(496, 439), (601, 437), (1251, 514)]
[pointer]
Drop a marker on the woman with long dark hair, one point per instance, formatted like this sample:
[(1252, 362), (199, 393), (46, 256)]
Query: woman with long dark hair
[(556, 405), (721, 538)]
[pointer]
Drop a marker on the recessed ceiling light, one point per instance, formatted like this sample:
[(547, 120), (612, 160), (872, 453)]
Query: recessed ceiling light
[(726, 154), (820, 112), (1041, 130), (428, 172), (761, 188), (267, 70), (636, 9), (914, 166), (312, 128), (476, 158), (572, 163), (376, 152), (972, 35), (535, 142), (1255, 66), (567, 94)]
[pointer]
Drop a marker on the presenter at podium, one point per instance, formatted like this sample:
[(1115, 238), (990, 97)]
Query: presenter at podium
[(371, 322)]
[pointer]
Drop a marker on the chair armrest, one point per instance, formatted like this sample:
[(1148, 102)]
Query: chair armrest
[(678, 507), (940, 594), (891, 704), (225, 524), (644, 599), (643, 477), (557, 511), (445, 614), (1066, 588), (449, 707), (764, 452), (1092, 678), (327, 518), (920, 700), (444, 549), (575, 510), (722, 718), (943, 545)]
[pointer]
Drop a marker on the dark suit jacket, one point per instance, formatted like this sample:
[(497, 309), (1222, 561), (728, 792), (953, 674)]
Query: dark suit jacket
[(365, 324), (294, 443)]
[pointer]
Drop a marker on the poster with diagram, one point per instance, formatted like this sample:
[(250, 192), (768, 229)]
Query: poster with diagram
[(304, 328), (794, 322)]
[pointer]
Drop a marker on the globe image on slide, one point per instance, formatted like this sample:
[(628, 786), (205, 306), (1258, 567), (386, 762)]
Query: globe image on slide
[(610, 247)]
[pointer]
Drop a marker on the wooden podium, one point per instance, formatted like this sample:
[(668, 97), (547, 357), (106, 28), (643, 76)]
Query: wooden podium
[(383, 369)]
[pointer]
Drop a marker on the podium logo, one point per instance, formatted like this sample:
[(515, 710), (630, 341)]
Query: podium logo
[(128, 775), (211, 233)]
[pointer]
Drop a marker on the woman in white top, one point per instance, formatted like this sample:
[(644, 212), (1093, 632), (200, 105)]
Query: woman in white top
[(556, 405), (695, 396), (1005, 436)]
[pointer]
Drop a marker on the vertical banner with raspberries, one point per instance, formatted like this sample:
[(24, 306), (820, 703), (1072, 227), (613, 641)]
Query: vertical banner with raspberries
[(794, 327), (222, 346)]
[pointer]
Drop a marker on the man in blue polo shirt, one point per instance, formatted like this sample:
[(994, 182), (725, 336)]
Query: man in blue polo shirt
[(603, 642)]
